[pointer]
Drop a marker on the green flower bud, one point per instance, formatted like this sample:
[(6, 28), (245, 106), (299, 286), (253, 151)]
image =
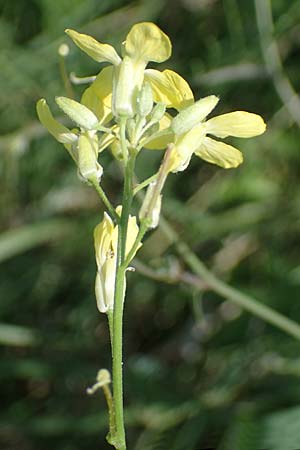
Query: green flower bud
[(88, 166), (193, 115), (158, 112), (131, 126), (127, 82), (77, 112), (145, 101)]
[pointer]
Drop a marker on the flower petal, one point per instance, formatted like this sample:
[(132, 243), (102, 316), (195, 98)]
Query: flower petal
[(102, 239), (62, 134), (97, 97), (193, 114), (77, 112), (239, 124), (185, 145), (100, 295), (219, 153), (96, 50), (146, 42), (170, 88), (132, 233)]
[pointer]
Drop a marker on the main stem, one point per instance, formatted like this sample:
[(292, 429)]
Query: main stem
[(117, 347)]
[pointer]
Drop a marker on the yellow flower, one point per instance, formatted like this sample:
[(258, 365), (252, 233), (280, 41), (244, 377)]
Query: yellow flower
[(145, 42), (106, 242), (82, 147), (191, 129), (98, 96)]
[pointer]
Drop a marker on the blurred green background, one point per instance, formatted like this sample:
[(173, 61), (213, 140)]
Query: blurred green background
[(199, 372)]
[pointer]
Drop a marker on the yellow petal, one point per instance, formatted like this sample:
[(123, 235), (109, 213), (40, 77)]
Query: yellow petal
[(106, 264), (96, 50), (105, 283), (132, 233), (77, 112), (193, 115), (100, 295), (170, 88), (102, 239), (97, 97), (61, 133), (146, 42), (219, 153), (185, 145), (239, 123)]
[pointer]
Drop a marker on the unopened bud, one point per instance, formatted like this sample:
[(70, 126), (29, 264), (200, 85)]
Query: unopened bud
[(145, 101), (77, 112), (158, 112), (193, 115), (88, 166), (131, 126), (128, 79)]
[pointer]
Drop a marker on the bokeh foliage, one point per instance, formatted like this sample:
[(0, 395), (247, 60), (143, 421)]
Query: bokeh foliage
[(200, 373)]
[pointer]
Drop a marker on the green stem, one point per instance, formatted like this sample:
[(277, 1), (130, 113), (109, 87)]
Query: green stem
[(243, 300), (110, 317), (105, 200), (123, 141), (142, 230), (144, 183), (120, 442), (111, 413), (117, 371), (126, 204)]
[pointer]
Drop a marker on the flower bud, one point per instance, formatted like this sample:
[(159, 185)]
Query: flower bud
[(88, 166), (145, 101), (158, 112), (77, 112), (127, 82), (131, 126), (193, 115)]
